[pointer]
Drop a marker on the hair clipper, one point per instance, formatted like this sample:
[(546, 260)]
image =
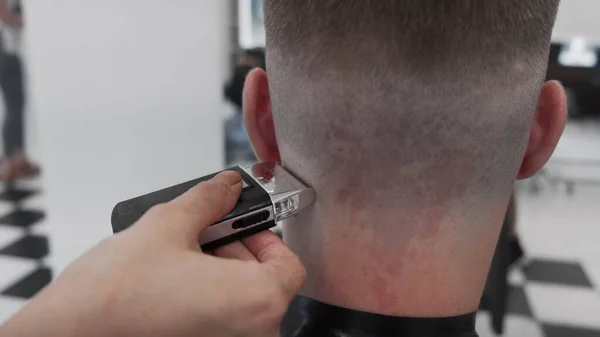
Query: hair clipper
[(269, 195)]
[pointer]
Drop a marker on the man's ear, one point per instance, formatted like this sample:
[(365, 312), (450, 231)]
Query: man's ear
[(258, 117), (548, 125)]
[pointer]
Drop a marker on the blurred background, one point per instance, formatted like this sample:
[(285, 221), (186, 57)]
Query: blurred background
[(118, 98)]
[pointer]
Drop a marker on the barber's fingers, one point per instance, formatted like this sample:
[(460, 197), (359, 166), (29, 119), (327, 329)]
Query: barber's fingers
[(200, 207), (286, 267), (236, 251)]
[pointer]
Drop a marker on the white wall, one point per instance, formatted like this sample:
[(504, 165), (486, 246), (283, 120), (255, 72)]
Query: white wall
[(578, 18), (127, 97)]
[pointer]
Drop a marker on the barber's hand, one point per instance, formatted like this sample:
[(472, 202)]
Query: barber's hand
[(153, 280)]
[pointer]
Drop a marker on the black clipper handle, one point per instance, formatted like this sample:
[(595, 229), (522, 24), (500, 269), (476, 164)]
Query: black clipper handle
[(253, 197)]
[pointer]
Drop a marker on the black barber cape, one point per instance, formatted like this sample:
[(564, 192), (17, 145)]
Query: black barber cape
[(309, 318)]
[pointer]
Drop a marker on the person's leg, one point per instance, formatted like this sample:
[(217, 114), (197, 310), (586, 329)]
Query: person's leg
[(12, 130), (11, 80)]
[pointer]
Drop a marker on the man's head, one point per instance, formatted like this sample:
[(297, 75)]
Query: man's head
[(410, 118), (422, 100)]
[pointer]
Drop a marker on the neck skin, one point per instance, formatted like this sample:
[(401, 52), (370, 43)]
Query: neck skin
[(381, 266)]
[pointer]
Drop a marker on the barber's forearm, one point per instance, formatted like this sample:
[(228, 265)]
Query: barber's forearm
[(46, 315), (153, 279)]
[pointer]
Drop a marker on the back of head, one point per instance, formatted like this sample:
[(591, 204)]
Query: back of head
[(421, 107), (411, 119)]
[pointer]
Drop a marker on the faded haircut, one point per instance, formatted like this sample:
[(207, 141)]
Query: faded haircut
[(406, 103)]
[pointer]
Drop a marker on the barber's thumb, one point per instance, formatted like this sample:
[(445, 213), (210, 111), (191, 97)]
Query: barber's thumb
[(285, 266), (207, 202)]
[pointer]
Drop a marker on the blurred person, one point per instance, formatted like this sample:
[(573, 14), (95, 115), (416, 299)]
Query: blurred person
[(15, 164), (237, 144), (244, 63), (411, 120), (516, 249)]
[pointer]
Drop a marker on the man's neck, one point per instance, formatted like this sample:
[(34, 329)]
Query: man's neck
[(398, 272)]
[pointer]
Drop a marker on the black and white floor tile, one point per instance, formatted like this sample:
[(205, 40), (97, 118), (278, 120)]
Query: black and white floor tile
[(549, 298), (23, 249)]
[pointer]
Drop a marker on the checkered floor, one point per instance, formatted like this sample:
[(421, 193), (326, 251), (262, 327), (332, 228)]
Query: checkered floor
[(548, 297), (22, 249)]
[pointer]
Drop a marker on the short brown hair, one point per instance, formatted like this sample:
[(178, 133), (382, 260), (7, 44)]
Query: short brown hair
[(430, 99), (425, 33)]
